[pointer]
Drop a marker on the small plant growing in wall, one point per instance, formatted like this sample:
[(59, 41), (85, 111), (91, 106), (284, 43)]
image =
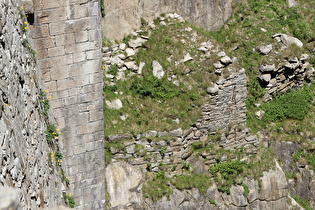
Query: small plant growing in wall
[(69, 199), (44, 102), (51, 132), (162, 151)]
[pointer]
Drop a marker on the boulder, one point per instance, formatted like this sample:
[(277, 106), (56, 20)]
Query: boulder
[(130, 52), (265, 78), (115, 104), (226, 60), (213, 90), (131, 65), (267, 68), (265, 50), (259, 114), (218, 65), (157, 70), (288, 40), (134, 43), (186, 58)]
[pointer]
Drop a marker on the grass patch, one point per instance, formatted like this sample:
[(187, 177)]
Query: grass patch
[(293, 105), (302, 202), (305, 157), (157, 187), (158, 104), (188, 181)]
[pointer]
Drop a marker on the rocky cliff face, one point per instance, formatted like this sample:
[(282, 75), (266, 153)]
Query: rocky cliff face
[(24, 151), (271, 192), (124, 16)]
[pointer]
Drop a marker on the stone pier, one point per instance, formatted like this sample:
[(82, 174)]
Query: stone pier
[(67, 37)]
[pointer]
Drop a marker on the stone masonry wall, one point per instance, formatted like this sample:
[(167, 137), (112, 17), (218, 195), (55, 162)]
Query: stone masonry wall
[(67, 36), (24, 150)]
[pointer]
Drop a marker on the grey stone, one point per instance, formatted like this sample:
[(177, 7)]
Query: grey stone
[(218, 65), (288, 40), (221, 54), (187, 58), (259, 114), (158, 71), (213, 90), (265, 78), (264, 68), (135, 43), (115, 104), (226, 60), (131, 65), (304, 57), (9, 198), (123, 181), (292, 3), (265, 50), (130, 52)]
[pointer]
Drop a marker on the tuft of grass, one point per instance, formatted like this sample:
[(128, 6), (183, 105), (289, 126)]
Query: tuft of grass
[(302, 202), (200, 181), (157, 187)]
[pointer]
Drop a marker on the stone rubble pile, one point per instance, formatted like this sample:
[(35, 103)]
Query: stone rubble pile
[(291, 72)]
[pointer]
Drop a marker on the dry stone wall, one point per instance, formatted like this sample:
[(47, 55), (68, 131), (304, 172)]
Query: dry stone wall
[(67, 36), (123, 16), (24, 151)]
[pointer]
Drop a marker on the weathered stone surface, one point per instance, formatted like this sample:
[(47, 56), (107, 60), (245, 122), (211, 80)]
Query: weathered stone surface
[(292, 3), (9, 198), (158, 71), (273, 185), (134, 43), (265, 78), (265, 50), (126, 14), (226, 60), (213, 90), (115, 104), (267, 68), (288, 40), (70, 33), (187, 58), (123, 182)]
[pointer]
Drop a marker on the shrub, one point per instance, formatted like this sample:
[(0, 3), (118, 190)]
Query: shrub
[(155, 88), (226, 173), (294, 105)]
